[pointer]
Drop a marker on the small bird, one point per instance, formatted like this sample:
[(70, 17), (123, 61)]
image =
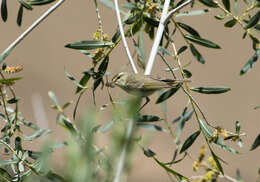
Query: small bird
[(143, 85)]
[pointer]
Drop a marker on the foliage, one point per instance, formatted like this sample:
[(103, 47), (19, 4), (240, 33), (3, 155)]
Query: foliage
[(85, 161)]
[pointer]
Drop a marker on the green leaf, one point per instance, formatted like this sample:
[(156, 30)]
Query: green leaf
[(18, 144), (192, 13), (185, 116), (167, 94), (237, 127), (110, 4), (215, 157), (136, 27), (151, 127), (148, 118), (116, 36), (107, 126), (181, 50), (164, 51), (131, 6), (26, 5), (89, 44), (151, 21), (189, 141), (249, 65), (206, 130), (202, 42), (20, 16), (256, 143), (209, 134), (211, 90), (171, 171), (40, 2), (12, 101), (187, 73), (220, 16), (209, 3), (101, 71), (10, 80), (176, 161), (83, 81), (4, 12), (189, 29), (66, 104), (226, 4), (73, 79), (235, 7), (230, 23), (53, 97), (37, 134), (253, 21), (183, 119), (196, 54), (148, 152), (66, 123), (133, 18)]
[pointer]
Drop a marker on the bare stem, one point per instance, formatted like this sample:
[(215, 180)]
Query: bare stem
[(123, 37), (158, 37), (28, 30), (164, 18), (121, 162)]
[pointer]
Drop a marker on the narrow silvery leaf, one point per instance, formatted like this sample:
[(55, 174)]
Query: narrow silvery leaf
[(89, 44), (249, 65)]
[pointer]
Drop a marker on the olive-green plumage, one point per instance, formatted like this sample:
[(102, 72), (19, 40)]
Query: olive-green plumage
[(143, 85)]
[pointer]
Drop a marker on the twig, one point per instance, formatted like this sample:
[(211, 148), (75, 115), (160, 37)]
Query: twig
[(99, 20), (130, 126), (158, 37), (169, 15), (121, 162), (164, 18), (28, 30), (123, 37)]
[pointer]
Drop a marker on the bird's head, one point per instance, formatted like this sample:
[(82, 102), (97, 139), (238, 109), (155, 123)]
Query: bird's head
[(120, 79)]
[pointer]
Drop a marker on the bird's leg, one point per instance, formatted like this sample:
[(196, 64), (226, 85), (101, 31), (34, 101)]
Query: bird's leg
[(147, 100)]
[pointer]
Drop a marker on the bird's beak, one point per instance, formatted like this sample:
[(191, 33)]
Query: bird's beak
[(110, 84)]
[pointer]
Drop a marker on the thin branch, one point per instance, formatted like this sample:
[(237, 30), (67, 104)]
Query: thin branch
[(164, 18), (158, 37), (123, 37), (169, 15), (130, 126), (28, 30), (121, 162)]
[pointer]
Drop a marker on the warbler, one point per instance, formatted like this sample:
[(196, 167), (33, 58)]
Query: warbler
[(143, 85)]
